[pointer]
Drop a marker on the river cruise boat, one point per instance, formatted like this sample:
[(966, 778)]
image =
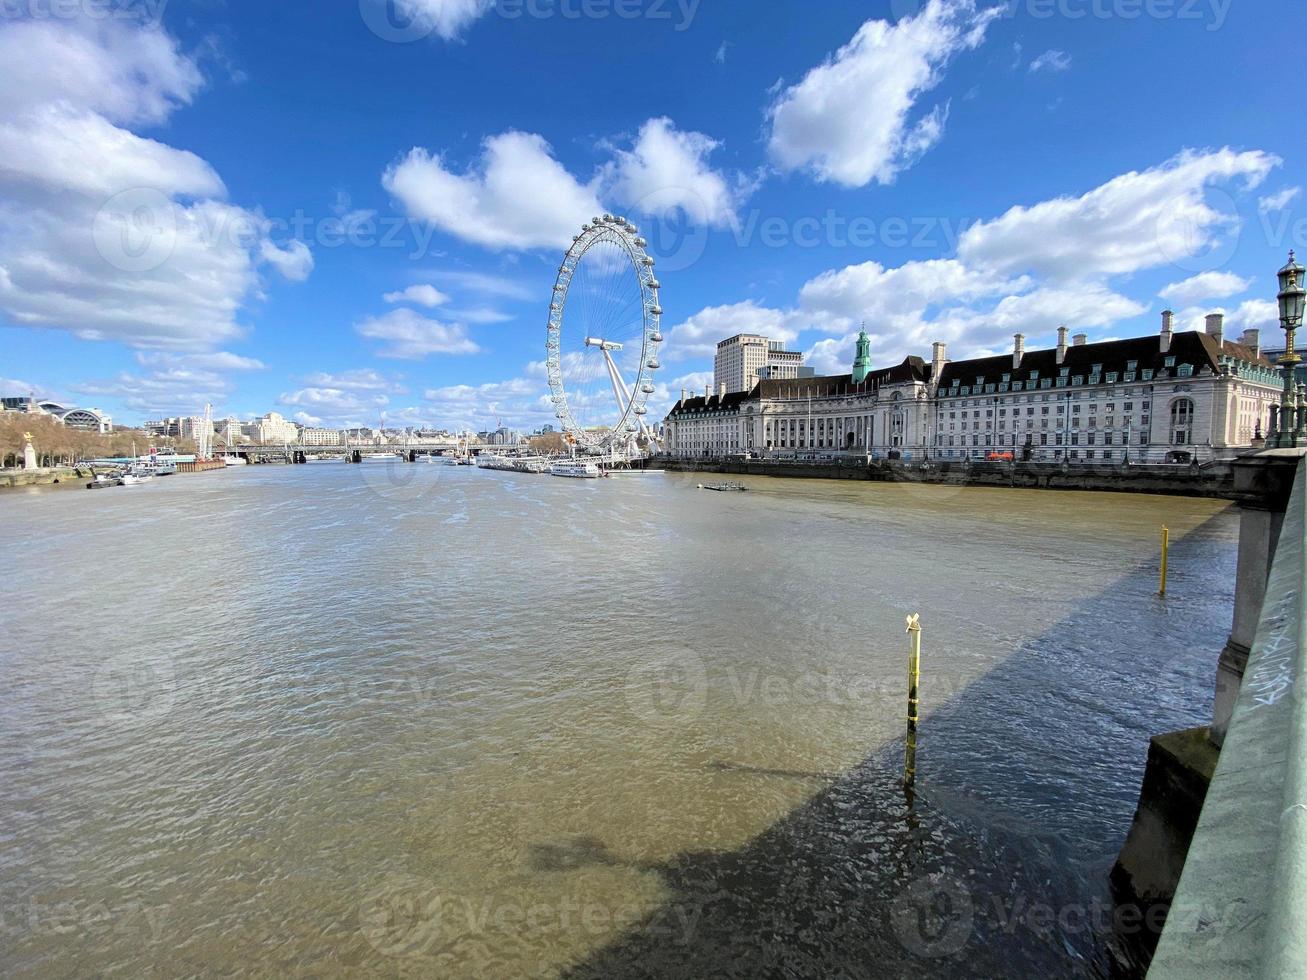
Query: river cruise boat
[(577, 469)]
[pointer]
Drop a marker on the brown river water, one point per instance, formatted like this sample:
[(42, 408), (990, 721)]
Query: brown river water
[(418, 720)]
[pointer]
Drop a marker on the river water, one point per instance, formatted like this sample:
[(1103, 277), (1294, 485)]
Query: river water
[(416, 720)]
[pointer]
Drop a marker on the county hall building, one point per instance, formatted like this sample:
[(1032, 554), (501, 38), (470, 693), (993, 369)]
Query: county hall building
[(1171, 397)]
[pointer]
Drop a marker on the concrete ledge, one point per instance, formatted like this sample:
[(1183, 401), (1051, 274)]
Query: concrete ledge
[(1242, 899)]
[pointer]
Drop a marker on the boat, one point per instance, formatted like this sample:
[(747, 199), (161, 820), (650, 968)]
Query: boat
[(103, 480), (235, 461), (531, 466), (135, 479), (378, 456), (576, 469), (724, 487)]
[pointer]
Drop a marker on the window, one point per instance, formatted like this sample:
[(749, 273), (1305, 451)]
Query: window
[(1182, 415), (1169, 362)]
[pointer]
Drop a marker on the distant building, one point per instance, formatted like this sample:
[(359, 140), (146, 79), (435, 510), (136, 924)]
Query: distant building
[(1173, 397), (311, 436), (228, 431), (271, 430), (744, 359), (83, 419)]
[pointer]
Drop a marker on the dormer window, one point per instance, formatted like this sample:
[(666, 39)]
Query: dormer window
[(1132, 365), (1097, 369), (1034, 375), (1169, 362)]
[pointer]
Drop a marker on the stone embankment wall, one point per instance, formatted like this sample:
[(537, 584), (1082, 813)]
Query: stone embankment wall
[(45, 477), (1211, 480)]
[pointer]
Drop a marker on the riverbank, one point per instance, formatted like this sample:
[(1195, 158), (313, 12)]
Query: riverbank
[(64, 477), (61, 476), (1214, 480)]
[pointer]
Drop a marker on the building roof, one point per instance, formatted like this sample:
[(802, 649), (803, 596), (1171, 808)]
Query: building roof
[(1192, 347), (826, 386)]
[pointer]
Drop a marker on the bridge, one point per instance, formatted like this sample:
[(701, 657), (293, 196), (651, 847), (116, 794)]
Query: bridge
[(298, 453), (1223, 808)]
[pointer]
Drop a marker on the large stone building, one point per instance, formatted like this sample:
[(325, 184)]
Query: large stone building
[(1189, 396), (746, 358)]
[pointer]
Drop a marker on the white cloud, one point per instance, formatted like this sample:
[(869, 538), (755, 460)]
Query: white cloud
[(521, 402), (304, 418), (667, 170), (172, 391), (361, 379), (336, 405), (849, 120), (213, 361), (516, 197), (446, 18), (103, 232), (480, 314), (698, 336), (486, 284), (1051, 61), (1205, 285), (1278, 201), (897, 297), (294, 262), (1136, 221), (720, 56), (423, 295), (409, 336)]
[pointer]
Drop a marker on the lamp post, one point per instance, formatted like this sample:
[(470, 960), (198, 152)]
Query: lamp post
[(1291, 298)]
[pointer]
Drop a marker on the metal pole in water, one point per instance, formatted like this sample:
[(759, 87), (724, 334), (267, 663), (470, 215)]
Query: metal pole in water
[(914, 677), (1166, 547)]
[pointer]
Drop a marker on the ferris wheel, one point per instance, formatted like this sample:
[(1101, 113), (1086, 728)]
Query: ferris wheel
[(605, 328)]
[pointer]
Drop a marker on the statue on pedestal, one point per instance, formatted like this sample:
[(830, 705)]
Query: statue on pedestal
[(29, 454)]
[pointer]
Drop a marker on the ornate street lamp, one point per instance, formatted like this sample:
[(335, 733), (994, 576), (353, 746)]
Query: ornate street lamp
[(1291, 299)]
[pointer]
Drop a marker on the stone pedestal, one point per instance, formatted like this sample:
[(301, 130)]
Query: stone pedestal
[(29, 457)]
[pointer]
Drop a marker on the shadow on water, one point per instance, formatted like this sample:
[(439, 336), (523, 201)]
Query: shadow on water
[(1028, 781)]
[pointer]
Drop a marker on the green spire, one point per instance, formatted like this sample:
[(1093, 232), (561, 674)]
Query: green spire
[(862, 361)]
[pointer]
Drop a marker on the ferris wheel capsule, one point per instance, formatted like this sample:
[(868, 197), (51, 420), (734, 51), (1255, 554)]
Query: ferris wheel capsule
[(655, 311), (642, 243), (657, 338), (655, 284)]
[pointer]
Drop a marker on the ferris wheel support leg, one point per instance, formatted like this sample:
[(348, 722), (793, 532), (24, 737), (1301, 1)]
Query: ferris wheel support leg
[(619, 386)]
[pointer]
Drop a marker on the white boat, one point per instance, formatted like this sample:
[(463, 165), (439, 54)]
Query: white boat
[(577, 469), (235, 461), (135, 479), (531, 466), (378, 456)]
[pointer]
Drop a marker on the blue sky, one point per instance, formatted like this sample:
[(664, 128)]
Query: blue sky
[(349, 209)]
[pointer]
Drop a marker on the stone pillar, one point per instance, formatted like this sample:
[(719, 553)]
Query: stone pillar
[(1263, 482), (29, 454)]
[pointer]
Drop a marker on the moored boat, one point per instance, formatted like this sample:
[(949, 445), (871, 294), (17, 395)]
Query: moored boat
[(576, 469)]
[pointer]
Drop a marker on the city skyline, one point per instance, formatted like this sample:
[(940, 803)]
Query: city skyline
[(921, 167)]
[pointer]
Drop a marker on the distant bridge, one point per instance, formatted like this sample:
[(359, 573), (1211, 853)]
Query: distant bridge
[(297, 453)]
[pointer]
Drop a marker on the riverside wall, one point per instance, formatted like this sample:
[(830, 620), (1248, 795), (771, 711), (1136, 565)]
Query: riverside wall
[(1214, 479)]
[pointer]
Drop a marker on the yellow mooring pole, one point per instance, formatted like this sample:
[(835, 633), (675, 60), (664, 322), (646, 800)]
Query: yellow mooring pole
[(1166, 547), (914, 677)]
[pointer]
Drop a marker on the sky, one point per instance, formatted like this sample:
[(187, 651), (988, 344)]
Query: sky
[(354, 210)]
